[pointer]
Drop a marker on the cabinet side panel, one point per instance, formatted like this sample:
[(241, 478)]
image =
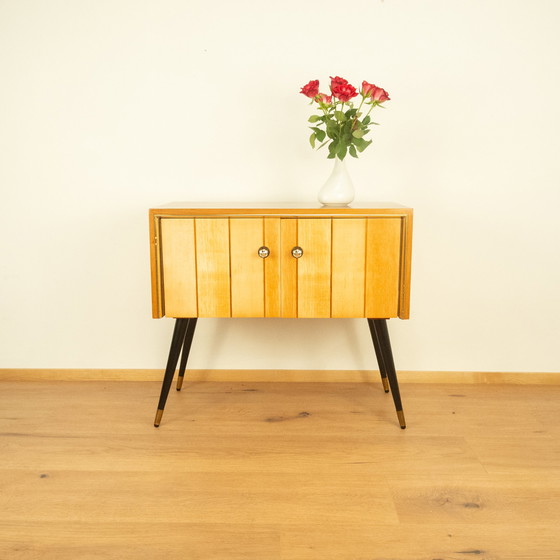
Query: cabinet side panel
[(288, 278), (272, 268), (383, 267), (179, 267), (348, 267), (212, 267), (404, 307), (155, 266), (247, 268), (314, 268)]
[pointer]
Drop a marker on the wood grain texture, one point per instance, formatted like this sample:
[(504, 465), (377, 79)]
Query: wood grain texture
[(314, 268), (247, 268), (383, 267), (348, 267), (179, 267), (272, 268), (331, 267), (155, 266), (213, 267), (406, 266), (289, 268), (296, 209), (278, 471)]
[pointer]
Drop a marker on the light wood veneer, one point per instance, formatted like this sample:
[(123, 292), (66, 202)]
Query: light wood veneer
[(355, 262)]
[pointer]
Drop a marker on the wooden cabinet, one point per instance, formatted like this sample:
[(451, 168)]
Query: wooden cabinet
[(292, 261), (206, 263)]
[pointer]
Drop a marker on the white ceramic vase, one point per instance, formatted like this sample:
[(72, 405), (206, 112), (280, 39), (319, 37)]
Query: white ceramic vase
[(338, 190)]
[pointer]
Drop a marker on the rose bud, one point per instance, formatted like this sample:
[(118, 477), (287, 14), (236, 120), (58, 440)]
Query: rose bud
[(311, 89)]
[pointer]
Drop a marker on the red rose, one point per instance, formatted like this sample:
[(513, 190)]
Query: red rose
[(324, 98), (345, 93), (335, 82), (342, 90), (376, 93), (311, 89)]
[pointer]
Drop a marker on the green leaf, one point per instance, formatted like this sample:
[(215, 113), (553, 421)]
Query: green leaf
[(333, 148), (340, 116), (361, 144), (319, 133), (332, 129), (351, 113), (341, 152), (359, 133), (312, 140), (366, 120), (314, 118), (352, 150)]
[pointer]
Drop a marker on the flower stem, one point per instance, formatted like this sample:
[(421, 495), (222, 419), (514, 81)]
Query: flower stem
[(358, 112)]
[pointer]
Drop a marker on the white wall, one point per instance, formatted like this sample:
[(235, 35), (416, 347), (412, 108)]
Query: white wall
[(113, 106)]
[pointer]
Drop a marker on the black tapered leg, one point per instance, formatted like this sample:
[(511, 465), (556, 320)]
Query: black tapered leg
[(379, 355), (380, 327), (189, 333), (174, 351)]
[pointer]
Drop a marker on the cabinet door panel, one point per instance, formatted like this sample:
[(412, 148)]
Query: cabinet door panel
[(348, 267), (247, 268), (212, 267), (383, 267), (314, 268), (272, 273), (178, 267), (289, 268)]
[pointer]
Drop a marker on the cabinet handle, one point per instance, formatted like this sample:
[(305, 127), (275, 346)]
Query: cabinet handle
[(297, 252), (263, 252)]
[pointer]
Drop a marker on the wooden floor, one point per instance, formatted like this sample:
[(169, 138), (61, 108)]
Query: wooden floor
[(268, 471)]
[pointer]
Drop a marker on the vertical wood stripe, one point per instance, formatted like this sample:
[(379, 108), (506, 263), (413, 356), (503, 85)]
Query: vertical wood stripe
[(247, 268), (383, 263), (212, 265), (179, 267), (155, 267), (348, 267), (272, 285), (288, 279), (314, 268), (406, 258)]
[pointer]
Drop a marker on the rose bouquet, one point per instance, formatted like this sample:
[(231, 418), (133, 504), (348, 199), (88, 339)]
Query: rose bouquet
[(340, 124)]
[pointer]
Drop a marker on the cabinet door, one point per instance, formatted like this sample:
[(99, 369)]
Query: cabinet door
[(350, 267), (211, 267)]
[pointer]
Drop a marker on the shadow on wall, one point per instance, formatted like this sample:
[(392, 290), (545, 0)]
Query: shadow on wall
[(295, 343)]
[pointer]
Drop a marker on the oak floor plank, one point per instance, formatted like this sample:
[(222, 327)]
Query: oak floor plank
[(278, 471), (482, 500)]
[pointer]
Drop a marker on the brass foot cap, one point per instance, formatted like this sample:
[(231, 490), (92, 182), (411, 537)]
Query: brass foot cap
[(159, 414), (400, 415), (385, 384)]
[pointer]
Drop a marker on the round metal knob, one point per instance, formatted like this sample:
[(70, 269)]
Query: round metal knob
[(297, 252), (263, 252)]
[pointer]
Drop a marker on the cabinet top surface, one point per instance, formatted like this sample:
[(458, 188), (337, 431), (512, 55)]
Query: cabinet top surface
[(185, 208)]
